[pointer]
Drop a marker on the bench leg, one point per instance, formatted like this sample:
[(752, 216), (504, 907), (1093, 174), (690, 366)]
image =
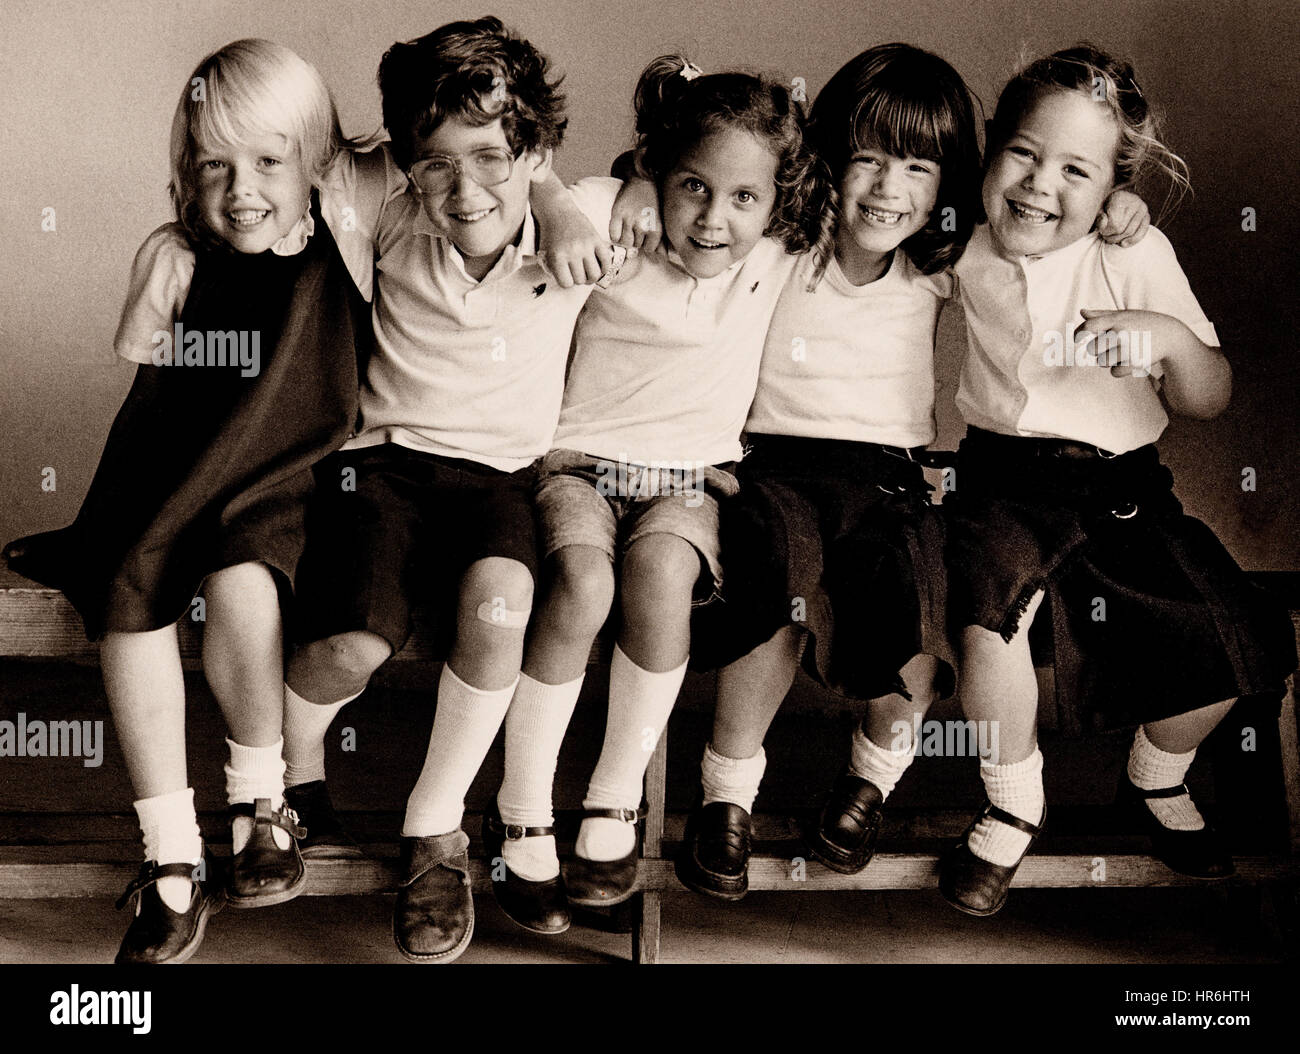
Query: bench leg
[(645, 930)]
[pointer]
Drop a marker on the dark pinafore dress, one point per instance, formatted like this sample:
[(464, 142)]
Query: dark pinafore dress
[(839, 539), (206, 468)]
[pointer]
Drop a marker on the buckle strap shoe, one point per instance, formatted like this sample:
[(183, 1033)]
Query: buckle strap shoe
[(844, 837), (602, 883), (542, 907), (433, 918), (326, 838), (714, 858), (262, 874), (158, 934), (1197, 854), (976, 886)]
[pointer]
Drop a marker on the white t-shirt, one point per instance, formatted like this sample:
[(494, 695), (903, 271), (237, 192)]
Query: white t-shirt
[(666, 363), (852, 362), (1021, 377), (463, 368), (352, 196)]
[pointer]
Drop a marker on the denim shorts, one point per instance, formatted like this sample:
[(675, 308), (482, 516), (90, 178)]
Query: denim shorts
[(584, 500)]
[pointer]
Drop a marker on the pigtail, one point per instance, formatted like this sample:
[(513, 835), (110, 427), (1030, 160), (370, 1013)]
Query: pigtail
[(657, 102)]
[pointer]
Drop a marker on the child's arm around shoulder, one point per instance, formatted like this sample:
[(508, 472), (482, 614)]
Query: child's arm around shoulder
[(573, 242), (160, 282), (1157, 300), (353, 196)]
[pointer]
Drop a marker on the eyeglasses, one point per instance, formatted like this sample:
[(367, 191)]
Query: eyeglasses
[(438, 173)]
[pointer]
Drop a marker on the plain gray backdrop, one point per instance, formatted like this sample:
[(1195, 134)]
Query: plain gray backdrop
[(87, 92)]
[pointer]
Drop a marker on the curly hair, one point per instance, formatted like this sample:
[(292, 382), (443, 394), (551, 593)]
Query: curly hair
[(908, 103), (478, 71), (1111, 82), (677, 106)]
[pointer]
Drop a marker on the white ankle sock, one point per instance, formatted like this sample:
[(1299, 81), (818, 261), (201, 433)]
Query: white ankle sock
[(464, 726), (1151, 768), (876, 764), (171, 836), (733, 780), (535, 725), (1017, 789), (252, 773), (305, 725), (639, 705)]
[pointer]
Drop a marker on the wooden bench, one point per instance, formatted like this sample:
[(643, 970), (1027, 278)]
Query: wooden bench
[(39, 624)]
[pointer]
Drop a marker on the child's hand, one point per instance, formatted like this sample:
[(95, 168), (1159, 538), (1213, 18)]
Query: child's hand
[(634, 221), (574, 253), (1124, 219), (1124, 341), (570, 247)]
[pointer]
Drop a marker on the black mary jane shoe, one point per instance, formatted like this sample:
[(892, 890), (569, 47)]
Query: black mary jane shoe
[(844, 836), (542, 907), (433, 916), (1196, 854), (602, 883), (976, 886), (158, 934), (714, 857), (326, 839), (262, 874)]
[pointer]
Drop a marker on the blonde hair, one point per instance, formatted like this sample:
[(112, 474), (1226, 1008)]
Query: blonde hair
[(248, 88)]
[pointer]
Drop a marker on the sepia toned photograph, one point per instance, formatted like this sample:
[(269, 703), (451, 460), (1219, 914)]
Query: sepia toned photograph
[(624, 484)]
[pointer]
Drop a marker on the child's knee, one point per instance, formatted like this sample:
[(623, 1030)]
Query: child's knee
[(346, 657), (582, 585), (660, 567), (243, 584), (497, 592)]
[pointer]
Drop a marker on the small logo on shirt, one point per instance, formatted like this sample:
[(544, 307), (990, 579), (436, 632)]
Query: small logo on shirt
[(753, 287), (538, 290)]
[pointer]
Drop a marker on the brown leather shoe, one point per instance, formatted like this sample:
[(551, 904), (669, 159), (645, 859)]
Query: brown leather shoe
[(602, 883), (976, 886), (433, 919), (262, 873), (714, 857), (844, 837), (157, 934)]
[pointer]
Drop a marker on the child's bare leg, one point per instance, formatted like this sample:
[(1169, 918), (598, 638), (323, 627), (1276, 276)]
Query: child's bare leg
[(658, 581), (751, 690), (579, 594), (496, 597), (243, 658), (999, 685), (243, 653), (146, 694), (1161, 754)]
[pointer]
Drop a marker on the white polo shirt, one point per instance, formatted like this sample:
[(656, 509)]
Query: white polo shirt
[(352, 195), (1021, 316), (852, 362), (666, 363), (463, 368)]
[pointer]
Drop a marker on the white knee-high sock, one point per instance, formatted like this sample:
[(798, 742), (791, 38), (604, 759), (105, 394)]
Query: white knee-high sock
[(639, 705), (464, 726), (1018, 789), (733, 780), (305, 725), (171, 836), (1151, 768), (252, 773), (538, 717), (879, 765)]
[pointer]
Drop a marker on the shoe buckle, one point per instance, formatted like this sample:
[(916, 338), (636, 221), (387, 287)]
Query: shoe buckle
[(514, 832), (629, 815)]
